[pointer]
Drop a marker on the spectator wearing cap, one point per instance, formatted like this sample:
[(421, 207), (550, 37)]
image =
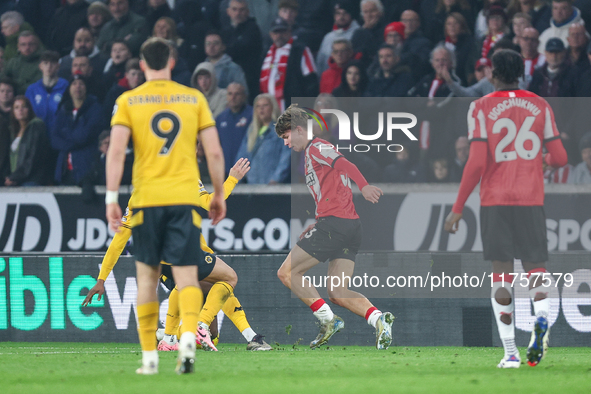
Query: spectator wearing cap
[(96, 16), (483, 74), (459, 40), (581, 174), (556, 78), (77, 126), (368, 38), (416, 49), (13, 24), (578, 40), (393, 79), (353, 80), (394, 35), (342, 52), (584, 84), (64, 24), (564, 13), (244, 43), (344, 27), (46, 94), (204, 80), (496, 22), (288, 68), (532, 59), (84, 45), (125, 25), (24, 68), (226, 71)]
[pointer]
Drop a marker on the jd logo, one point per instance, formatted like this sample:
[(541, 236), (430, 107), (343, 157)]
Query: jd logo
[(30, 222)]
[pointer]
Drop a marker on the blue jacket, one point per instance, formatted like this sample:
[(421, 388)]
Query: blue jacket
[(231, 129), (270, 159), (45, 103), (76, 135)]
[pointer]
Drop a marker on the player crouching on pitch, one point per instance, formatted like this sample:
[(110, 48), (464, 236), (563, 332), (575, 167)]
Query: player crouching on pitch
[(336, 236)]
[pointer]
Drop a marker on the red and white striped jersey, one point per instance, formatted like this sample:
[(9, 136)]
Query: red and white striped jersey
[(330, 189), (558, 175)]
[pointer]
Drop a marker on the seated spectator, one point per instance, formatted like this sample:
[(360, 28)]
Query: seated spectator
[(115, 67), (204, 80), (416, 48), (6, 99), (496, 22), (84, 45), (564, 14), (181, 72), (459, 40), (436, 25), (558, 175), (462, 149), (29, 149), (353, 81), (581, 174), (439, 171), (270, 158), (226, 71), (288, 69), (344, 27), (24, 68), (81, 66), (578, 40), (556, 78), (538, 10), (64, 24), (532, 59), (125, 25), (520, 22), (46, 94), (233, 122), (481, 25), (483, 86), (433, 85), (404, 169), (394, 35), (134, 77), (79, 122), (342, 52), (157, 9), (368, 38), (392, 79), (97, 15), (165, 27), (13, 24)]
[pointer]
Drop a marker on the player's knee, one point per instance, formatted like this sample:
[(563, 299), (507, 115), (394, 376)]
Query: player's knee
[(502, 296), (284, 275), (335, 296)]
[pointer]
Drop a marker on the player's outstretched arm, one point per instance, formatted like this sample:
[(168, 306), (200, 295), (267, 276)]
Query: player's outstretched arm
[(237, 172), (369, 192), (114, 171), (215, 163)]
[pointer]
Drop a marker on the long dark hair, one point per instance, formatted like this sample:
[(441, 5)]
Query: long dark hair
[(14, 123), (363, 80)]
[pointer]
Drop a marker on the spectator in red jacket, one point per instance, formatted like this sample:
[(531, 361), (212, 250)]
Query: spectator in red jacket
[(342, 52)]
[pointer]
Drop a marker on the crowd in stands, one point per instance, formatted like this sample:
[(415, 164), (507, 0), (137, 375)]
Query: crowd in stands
[(63, 63)]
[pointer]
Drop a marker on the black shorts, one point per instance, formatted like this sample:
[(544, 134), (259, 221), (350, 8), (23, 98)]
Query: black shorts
[(514, 232), (168, 233), (204, 267), (333, 238)]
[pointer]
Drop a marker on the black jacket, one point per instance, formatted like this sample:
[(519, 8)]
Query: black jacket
[(562, 85), (415, 54), (33, 155), (154, 14), (64, 24), (466, 56), (396, 86), (296, 84), (367, 41)]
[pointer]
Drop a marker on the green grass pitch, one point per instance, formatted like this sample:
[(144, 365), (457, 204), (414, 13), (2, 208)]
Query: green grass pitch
[(109, 368)]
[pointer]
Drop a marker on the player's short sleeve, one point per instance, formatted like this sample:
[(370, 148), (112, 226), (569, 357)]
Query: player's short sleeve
[(324, 154), (476, 123), (550, 130), (120, 114), (204, 116)]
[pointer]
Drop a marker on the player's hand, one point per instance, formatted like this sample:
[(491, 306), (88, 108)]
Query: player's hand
[(240, 169), (309, 228), (372, 193), (452, 222), (99, 289), (114, 216), (217, 209)]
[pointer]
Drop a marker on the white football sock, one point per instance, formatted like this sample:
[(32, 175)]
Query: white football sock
[(249, 334), (506, 331), (171, 339), (373, 318), (324, 314), (149, 357)]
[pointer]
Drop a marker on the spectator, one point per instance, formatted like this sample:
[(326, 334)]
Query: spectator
[(81, 66), (233, 122), (180, 73), (538, 10), (205, 80), (394, 35), (134, 77), (97, 15), (46, 94), (13, 24), (288, 69), (416, 48), (459, 40), (125, 25), (226, 70), (270, 158), (24, 68), (84, 45), (342, 52), (314, 19), (496, 21), (563, 15), (578, 39), (157, 9), (77, 126), (584, 84), (433, 85), (481, 25), (165, 27), (6, 99), (353, 81), (556, 78), (519, 23), (444, 8), (115, 67), (287, 10), (404, 169), (65, 23), (483, 74), (581, 174), (344, 27), (558, 175), (244, 42), (368, 38), (392, 79), (439, 171), (532, 59), (462, 149), (29, 150)]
